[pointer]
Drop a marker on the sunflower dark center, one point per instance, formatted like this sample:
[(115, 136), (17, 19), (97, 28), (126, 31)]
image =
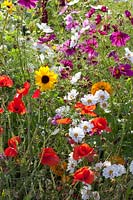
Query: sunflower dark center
[(45, 79)]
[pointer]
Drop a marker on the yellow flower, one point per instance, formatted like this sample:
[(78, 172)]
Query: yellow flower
[(101, 86), (9, 6), (45, 78)]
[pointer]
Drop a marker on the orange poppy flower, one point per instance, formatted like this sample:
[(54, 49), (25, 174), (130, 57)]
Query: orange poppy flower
[(17, 106), (83, 150), (14, 141), (24, 91), (64, 121), (85, 109), (84, 175), (49, 157), (5, 81), (10, 152)]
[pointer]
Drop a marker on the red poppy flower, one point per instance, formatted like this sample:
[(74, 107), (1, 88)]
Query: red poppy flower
[(1, 110), (49, 157), (83, 150), (17, 106), (36, 94), (85, 109), (100, 124), (24, 91), (5, 81), (10, 152), (14, 141), (64, 121), (84, 175)]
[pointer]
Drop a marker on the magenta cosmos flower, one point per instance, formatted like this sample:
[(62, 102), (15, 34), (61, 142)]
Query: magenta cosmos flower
[(28, 3), (119, 38), (122, 69)]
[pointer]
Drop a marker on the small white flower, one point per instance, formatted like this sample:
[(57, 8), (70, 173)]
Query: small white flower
[(77, 134), (73, 2), (129, 54), (86, 192), (89, 100), (71, 163), (104, 105), (55, 131), (86, 126), (107, 163), (71, 95), (44, 27), (75, 78), (98, 166), (101, 95), (96, 195), (62, 110), (74, 38), (131, 167)]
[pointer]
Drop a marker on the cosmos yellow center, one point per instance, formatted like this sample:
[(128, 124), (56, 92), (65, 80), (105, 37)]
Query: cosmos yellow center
[(45, 79)]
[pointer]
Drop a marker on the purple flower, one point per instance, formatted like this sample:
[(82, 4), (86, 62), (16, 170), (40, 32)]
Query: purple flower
[(127, 13), (64, 73), (119, 38), (28, 3), (90, 13), (104, 9), (114, 55), (57, 116), (125, 70), (122, 69), (98, 19), (115, 72), (47, 38), (65, 48), (70, 23), (67, 63)]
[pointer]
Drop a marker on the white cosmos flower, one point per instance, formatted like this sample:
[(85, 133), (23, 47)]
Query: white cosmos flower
[(76, 133), (44, 27), (75, 78), (104, 105), (101, 95), (73, 2), (89, 100), (129, 54), (62, 110), (71, 95), (114, 171), (74, 38), (86, 126)]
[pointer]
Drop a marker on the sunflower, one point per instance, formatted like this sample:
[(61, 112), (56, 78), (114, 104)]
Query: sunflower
[(10, 7), (45, 78), (101, 86)]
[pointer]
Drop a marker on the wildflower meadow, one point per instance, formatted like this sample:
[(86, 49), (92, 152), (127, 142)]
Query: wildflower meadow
[(66, 99)]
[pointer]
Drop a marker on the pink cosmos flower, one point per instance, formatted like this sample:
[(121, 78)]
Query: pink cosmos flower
[(28, 3), (119, 38)]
